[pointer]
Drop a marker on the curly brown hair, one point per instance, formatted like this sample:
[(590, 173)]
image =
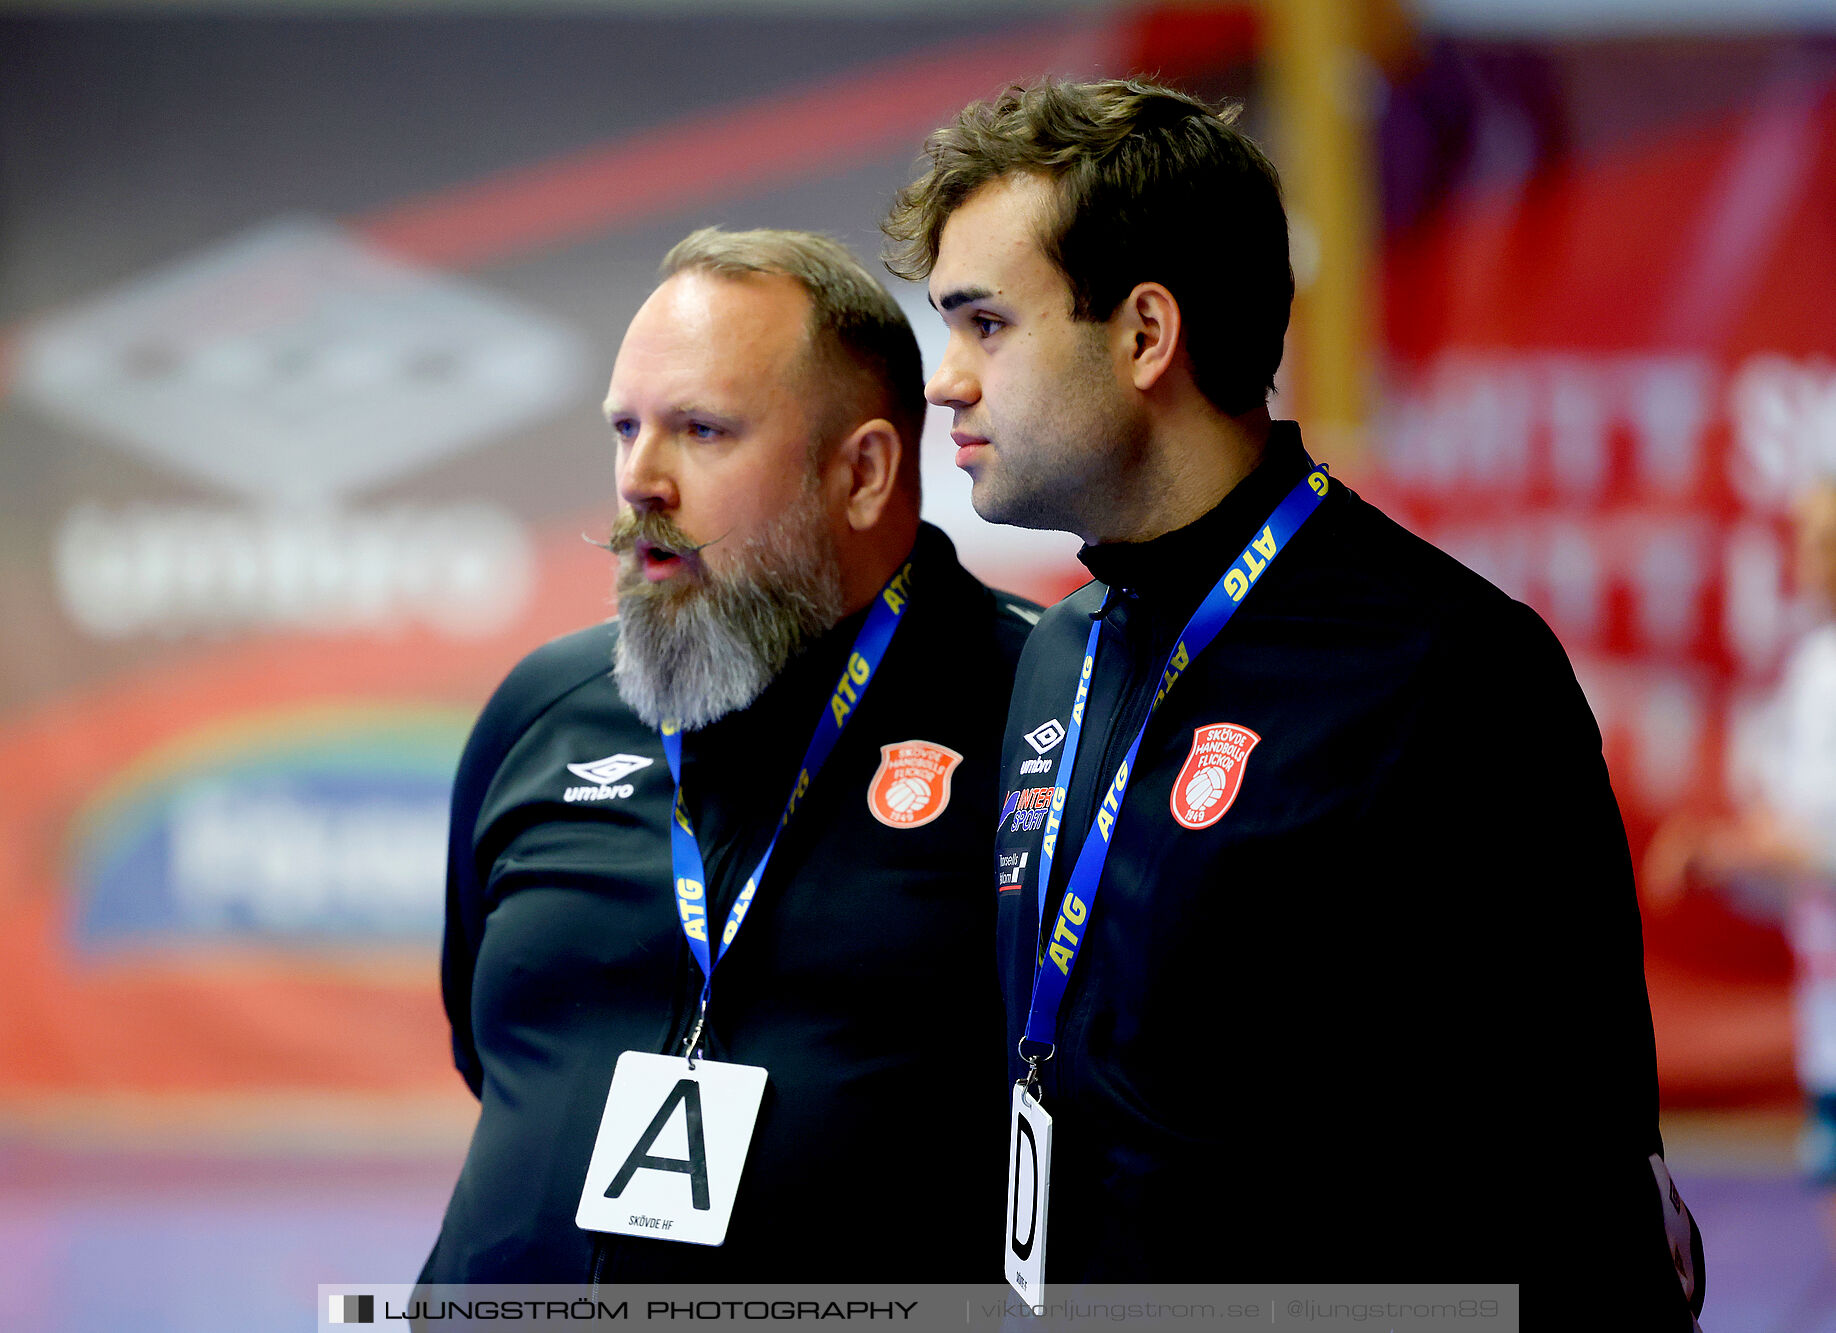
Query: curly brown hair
[(1153, 185)]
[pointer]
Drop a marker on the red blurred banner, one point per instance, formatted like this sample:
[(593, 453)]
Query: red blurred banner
[(1612, 367)]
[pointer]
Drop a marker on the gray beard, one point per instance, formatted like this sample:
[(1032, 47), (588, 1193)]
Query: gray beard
[(694, 653)]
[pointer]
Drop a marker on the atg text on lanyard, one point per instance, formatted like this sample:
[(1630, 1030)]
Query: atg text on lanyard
[(870, 644), (1060, 948)]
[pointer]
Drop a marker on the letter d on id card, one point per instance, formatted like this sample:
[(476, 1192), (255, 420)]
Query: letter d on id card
[(672, 1144), (1029, 1173)]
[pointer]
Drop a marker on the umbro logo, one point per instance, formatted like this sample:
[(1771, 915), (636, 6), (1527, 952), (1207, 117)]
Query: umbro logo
[(605, 775), (1044, 736), (604, 772)]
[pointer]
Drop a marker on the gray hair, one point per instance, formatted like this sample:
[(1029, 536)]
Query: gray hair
[(857, 330)]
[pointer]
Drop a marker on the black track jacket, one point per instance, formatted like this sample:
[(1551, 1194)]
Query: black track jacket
[(1385, 1018), (861, 979)]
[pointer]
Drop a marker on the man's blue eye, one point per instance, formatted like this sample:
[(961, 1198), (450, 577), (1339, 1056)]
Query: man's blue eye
[(985, 325)]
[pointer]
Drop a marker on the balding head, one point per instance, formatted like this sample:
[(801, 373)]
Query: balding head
[(861, 359)]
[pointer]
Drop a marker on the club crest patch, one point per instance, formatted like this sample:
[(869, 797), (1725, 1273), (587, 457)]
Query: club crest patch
[(912, 786), (1207, 784)]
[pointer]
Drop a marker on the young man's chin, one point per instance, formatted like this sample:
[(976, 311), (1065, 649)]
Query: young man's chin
[(1015, 512)]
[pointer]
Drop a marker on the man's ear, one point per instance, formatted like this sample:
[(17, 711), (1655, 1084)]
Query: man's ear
[(1149, 320), (869, 459)]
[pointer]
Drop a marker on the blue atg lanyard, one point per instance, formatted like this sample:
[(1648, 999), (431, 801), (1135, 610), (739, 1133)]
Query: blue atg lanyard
[(1053, 970), (691, 878)]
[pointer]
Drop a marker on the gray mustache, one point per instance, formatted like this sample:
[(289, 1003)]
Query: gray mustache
[(655, 529)]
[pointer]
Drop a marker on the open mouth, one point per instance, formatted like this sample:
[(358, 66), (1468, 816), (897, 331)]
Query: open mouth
[(658, 562)]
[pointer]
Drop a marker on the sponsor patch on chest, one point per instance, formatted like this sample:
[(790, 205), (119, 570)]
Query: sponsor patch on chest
[(1028, 806), (912, 786), (1209, 780)]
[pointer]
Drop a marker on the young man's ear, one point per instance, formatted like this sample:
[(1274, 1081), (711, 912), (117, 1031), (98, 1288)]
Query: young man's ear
[(1149, 319)]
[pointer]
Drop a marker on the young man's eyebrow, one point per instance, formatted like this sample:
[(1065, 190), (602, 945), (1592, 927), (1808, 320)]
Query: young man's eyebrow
[(961, 296)]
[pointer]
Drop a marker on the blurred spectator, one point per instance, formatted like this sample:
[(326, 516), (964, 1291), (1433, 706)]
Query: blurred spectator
[(1784, 845)]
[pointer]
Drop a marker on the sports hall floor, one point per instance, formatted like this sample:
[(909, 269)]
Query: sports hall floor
[(166, 1241)]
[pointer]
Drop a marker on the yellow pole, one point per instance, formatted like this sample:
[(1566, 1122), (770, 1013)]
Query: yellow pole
[(1318, 73)]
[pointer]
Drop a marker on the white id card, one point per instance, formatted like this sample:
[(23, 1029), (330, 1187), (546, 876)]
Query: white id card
[(671, 1147), (1029, 1174)]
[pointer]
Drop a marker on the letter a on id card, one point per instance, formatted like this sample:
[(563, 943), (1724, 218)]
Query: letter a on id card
[(1029, 1173), (672, 1144)]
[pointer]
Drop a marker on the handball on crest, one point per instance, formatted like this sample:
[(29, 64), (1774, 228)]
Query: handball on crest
[(907, 795), (1206, 788)]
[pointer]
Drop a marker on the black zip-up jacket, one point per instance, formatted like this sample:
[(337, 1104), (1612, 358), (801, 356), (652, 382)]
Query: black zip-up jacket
[(1384, 1017), (861, 978)]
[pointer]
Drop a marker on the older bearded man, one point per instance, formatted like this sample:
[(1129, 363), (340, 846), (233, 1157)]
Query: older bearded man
[(786, 1055)]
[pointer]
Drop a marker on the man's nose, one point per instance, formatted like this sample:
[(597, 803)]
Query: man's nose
[(952, 385), (646, 479)]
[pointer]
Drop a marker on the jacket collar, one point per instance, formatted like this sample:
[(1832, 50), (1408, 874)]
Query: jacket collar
[(1176, 570)]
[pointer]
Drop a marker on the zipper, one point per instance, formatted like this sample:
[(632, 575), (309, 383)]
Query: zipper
[(1131, 700), (599, 1266)]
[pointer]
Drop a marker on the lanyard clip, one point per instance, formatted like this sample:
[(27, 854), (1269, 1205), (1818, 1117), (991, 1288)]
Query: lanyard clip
[(1033, 1061), (694, 1038)]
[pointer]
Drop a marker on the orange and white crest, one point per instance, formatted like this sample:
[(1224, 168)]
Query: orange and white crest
[(912, 786), (1207, 784)]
